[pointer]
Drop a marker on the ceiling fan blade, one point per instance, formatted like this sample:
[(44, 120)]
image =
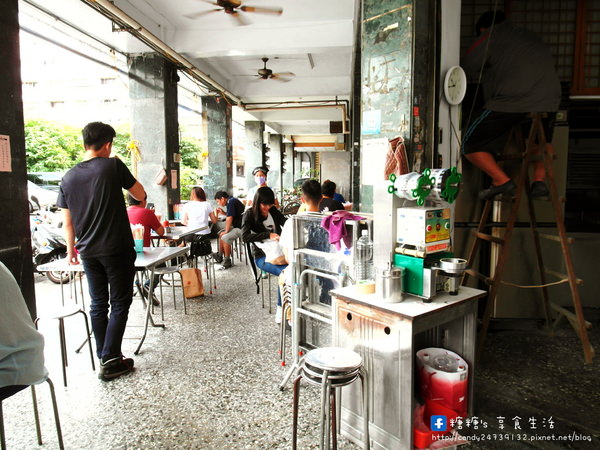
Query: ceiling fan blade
[(278, 77), (210, 2), (261, 10), (284, 74), (200, 14), (239, 19)]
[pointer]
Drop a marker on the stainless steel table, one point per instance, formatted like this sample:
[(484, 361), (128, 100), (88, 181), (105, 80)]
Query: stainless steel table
[(387, 336), (177, 233), (148, 260)]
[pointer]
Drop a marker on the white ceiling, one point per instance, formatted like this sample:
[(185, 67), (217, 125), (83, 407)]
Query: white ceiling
[(319, 30)]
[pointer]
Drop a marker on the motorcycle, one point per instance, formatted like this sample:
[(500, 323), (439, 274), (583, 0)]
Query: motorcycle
[(47, 244)]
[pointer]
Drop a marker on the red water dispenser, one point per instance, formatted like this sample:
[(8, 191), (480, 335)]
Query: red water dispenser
[(443, 378)]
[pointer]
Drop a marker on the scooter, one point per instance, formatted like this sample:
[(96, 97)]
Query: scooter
[(47, 244)]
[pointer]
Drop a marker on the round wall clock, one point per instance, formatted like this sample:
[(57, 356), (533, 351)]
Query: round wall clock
[(455, 85)]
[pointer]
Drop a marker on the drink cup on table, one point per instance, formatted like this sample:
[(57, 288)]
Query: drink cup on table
[(138, 237)]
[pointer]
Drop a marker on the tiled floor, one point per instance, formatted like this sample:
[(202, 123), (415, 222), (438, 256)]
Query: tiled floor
[(210, 380)]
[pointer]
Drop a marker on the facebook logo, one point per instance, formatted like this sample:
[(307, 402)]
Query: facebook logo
[(438, 423)]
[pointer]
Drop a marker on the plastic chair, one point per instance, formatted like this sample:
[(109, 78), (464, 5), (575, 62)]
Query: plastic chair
[(61, 334), (8, 391)]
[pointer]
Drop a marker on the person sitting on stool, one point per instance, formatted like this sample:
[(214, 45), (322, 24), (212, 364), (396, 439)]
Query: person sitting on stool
[(21, 345), (231, 229), (518, 78)]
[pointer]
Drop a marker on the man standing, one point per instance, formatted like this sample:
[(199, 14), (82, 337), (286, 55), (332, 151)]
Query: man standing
[(518, 77), (94, 211), (232, 229)]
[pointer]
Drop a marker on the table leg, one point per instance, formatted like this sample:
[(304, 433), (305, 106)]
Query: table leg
[(148, 309)]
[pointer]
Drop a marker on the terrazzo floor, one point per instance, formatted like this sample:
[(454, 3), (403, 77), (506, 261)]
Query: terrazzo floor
[(209, 380)]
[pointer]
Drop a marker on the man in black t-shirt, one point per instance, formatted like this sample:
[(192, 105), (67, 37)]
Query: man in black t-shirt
[(232, 228), (94, 211)]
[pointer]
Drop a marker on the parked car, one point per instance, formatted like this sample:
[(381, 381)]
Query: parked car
[(46, 180), (40, 197)]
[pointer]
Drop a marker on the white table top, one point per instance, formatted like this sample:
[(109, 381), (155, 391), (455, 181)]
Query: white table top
[(151, 256), (411, 307), (156, 255), (177, 233)]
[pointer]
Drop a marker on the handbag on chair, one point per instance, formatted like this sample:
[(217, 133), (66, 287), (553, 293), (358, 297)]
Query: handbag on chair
[(200, 246)]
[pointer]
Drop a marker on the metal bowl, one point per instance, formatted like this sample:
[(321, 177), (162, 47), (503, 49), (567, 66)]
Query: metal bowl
[(453, 265)]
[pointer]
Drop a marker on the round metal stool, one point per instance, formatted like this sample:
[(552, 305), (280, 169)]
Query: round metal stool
[(331, 368), (170, 270)]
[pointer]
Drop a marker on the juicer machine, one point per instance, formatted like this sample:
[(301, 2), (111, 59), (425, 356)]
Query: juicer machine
[(423, 233)]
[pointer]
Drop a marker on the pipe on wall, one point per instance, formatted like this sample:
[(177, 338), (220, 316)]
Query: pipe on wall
[(111, 11)]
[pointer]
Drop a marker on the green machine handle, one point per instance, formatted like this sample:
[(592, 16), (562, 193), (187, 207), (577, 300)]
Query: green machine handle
[(423, 188)]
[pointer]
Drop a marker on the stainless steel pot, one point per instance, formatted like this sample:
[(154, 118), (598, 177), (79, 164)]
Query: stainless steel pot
[(388, 284)]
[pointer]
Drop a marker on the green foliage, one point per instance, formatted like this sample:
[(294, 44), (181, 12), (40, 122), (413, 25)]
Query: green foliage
[(310, 173), (190, 177), (120, 142), (190, 150), (51, 147)]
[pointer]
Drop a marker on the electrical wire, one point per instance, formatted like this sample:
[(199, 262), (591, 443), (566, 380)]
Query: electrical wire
[(485, 54)]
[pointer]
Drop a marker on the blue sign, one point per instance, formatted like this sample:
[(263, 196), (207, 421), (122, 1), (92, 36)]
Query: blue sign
[(438, 423)]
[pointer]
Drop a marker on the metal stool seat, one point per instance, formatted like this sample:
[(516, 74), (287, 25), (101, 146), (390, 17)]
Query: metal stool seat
[(6, 392), (170, 270), (330, 368), (69, 312)]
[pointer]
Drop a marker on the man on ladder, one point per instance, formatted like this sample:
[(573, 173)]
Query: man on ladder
[(518, 77)]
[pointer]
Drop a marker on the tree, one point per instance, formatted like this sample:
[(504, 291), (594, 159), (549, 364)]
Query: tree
[(51, 147), (191, 152)]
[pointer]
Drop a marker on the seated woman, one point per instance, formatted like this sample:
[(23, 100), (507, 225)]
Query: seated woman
[(264, 222), (197, 212)]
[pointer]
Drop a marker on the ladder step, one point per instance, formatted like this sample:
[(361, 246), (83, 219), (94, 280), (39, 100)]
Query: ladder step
[(488, 237), (487, 280), (555, 238), (562, 276), (568, 314)]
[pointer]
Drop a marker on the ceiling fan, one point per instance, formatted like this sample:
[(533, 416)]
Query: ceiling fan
[(266, 74), (233, 8)]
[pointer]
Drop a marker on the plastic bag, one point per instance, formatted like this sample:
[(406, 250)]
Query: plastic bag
[(273, 251)]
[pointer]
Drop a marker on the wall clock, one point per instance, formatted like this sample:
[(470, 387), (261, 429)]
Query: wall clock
[(455, 85)]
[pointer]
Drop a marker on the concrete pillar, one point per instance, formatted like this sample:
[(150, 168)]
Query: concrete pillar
[(274, 163), (15, 238), (216, 114), (153, 97), (287, 170), (254, 149), (334, 167)]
